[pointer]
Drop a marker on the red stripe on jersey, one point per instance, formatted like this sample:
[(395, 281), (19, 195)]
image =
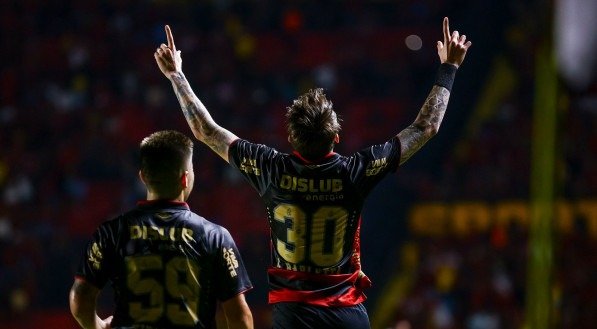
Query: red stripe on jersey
[(353, 295), (343, 289), (356, 249)]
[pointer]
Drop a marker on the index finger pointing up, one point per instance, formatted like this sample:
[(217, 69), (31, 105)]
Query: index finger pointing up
[(170, 38), (446, 30)]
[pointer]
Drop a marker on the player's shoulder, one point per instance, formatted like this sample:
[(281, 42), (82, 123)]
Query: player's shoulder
[(212, 235), (115, 220), (246, 146), (198, 221), (390, 146), (207, 227)]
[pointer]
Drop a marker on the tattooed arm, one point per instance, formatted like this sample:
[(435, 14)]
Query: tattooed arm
[(426, 124), (451, 54), (203, 126)]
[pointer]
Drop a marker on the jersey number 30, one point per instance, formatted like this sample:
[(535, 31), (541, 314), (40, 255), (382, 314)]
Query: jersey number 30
[(327, 234)]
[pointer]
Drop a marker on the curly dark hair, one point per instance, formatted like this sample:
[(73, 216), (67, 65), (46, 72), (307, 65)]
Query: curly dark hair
[(165, 156), (312, 124)]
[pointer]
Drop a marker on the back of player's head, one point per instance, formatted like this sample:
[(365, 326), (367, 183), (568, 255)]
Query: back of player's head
[(165, 156), (312, 124)]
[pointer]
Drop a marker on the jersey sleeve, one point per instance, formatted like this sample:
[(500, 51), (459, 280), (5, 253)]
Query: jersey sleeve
[(96, 262), (233, 278), (370, 165), (254, 161)]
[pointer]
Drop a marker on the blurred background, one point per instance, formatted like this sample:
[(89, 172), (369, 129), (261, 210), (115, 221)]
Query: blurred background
[(497, 212)]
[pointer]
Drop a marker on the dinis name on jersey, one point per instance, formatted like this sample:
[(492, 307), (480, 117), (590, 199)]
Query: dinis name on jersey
[(302, 184), (146, 232)]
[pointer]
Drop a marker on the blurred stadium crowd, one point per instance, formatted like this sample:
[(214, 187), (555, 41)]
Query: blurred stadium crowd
[(79, 88)]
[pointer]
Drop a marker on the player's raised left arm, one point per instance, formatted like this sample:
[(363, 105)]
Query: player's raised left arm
[(451, 53), (202, 125)]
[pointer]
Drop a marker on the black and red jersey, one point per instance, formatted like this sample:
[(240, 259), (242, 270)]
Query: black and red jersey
[(167, 265), (314, 213)]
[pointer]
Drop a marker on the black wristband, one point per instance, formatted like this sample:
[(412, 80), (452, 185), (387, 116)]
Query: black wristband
[(445, 75)]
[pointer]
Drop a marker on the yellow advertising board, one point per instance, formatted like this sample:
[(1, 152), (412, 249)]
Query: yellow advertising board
[(470, 217)]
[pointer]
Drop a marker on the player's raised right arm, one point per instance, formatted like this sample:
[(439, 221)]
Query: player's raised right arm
[(451, 54), (202, 125)]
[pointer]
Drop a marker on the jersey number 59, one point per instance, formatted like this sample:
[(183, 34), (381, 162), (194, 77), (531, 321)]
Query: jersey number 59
[(169, 281)]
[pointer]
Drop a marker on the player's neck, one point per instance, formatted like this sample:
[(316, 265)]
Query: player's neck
[(154, 196)]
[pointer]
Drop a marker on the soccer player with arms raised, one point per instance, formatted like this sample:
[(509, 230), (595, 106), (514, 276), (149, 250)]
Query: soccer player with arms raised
[(314, 196), (169, 266)]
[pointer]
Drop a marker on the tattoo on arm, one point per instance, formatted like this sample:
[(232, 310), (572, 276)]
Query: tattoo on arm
[(426, 124), (199, 119)]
